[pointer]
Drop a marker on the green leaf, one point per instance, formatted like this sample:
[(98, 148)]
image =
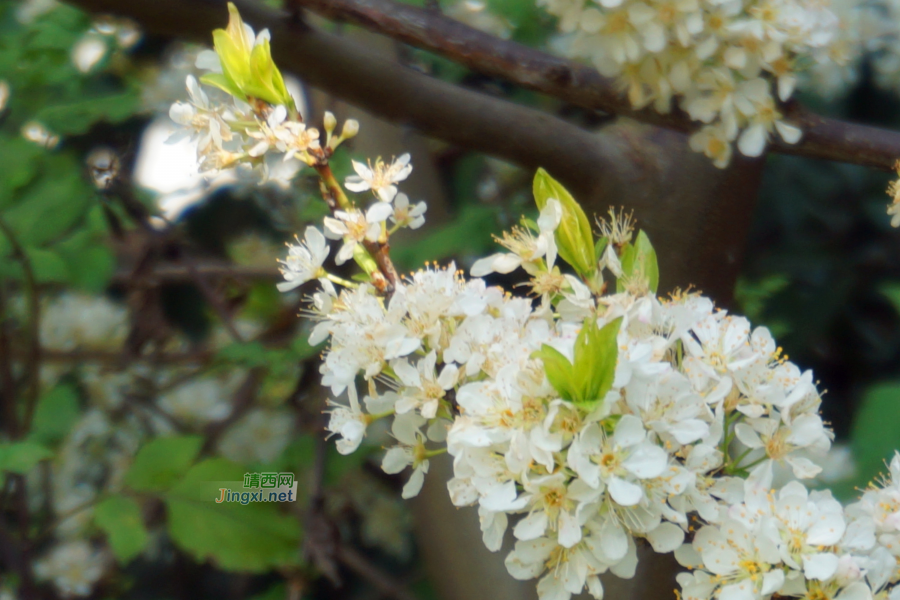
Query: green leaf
[(19, 159), (55, 415), (160, 463), (560, 372), (75, 118), (874, 436), (573, 236), (600, 247), (223, 83), (47, 265), (120, 519), (639, 260), (276, 591), (255, 537), (250, 354), (596, 353), (590, 377), (92, 268), (50, 205), (21, 457)]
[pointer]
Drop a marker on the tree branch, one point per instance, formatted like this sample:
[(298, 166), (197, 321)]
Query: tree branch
[(583, 86), (472, 120), (650, 170)]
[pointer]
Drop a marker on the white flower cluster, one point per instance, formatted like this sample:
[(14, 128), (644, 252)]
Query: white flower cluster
[(354, 226), (802, 544), (229, 135), (74, 567), (700, 415), (252, 133), (728, 62)]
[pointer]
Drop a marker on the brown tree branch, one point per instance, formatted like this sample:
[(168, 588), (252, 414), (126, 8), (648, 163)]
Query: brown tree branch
[(475, 121), (650, 170), (583, 86)]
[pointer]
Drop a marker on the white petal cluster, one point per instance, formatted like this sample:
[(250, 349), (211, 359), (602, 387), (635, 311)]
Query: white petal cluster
[(450, 362), (381, 177), (231, 133), (727, 63), (73, 567)]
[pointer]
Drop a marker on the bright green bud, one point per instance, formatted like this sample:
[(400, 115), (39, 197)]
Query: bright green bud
[(639, 260), (248, 70), (586, 381), (573, 236)]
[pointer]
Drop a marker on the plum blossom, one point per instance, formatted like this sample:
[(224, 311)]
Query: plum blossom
[(304, 260), (356, 227), (380, 177)]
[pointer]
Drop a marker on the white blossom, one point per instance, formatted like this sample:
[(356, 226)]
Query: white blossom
[(380, 177), (304, 260)]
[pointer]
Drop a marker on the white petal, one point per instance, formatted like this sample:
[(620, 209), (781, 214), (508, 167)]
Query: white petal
[(788, 133), (629, 431), (414, 485), (496, 263), (395, 460), (646, 461), (753, 141), (820, 566), (569, 530), (666, 538), (531, 527), (378, 212), (625, 493)]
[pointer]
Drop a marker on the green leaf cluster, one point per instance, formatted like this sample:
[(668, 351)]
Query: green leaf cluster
[(586, 380), (45, 199), (248, 70), (253, 537)]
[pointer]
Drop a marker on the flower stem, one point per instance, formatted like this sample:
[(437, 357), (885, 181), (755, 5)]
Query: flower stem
[(336, 199), (341, 281)]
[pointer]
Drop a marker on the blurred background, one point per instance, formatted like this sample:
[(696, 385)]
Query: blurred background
[(140, 317)]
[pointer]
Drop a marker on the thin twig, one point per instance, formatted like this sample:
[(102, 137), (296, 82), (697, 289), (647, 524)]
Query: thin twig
[(33, 364), (7, 379), (379, 251)]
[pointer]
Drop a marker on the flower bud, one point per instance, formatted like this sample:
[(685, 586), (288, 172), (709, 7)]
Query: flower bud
[(330, 122), (351, 128)]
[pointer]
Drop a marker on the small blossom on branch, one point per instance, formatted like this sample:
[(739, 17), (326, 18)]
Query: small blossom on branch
[(380, 177)]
